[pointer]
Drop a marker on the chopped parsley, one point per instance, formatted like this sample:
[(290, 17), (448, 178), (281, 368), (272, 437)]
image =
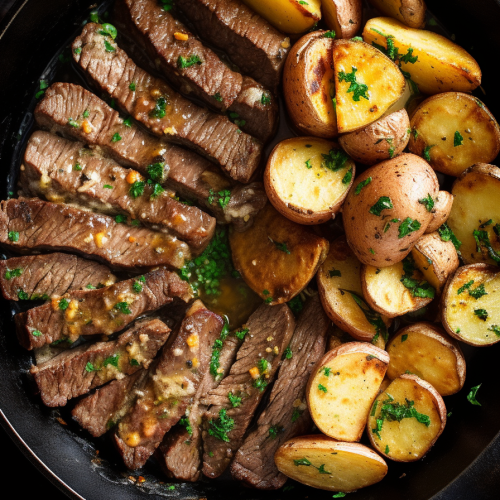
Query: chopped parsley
[(404, 337), (287, 353), (121, 219), (116, 137), (421, 289), (334, 273), (134, 362), (183, 62), (63, 304), (307, 463), (156, 192), (308, 164), (458, 140), (362, 184), (347, 177), (358, 89), (428, 202), (326, 371), (137, 286), (160, 109), (109, 47), (482, 314), (296, 414), (408, 226), (335, 160), (22, 295), (107, 186), (263, 365), (495, 329), (471, 397), (329, 34), (296, 305), (274, 430), (132, 86), (128, 121), (123, 307), (322, 388), (447, 235), (137, 189), (234, 400), (388, 224), (240, 334), (167, 5), (482, 238), (111, 360), (383, 203), (217, 97), (265, 99), (13, 273), (340, 494), (478, 292), (184, 422), (386, 449), (280, 246), (156, 171), (427, 152), (77, 167), (13, 236), (36, 333), (221, 427), (222, 197), (89, 367)]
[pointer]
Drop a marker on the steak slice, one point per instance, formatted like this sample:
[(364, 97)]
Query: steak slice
[(65, 171), (42, 276), (189, 174), (77, 371), (251, 42), (167, 114), (34, 224), (171, 386), (270, 329), (212, 81), (91, 312), (286, 414)]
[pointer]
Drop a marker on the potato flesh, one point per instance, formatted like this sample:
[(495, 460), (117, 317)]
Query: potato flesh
[(439, 118), (442, 65), (408, 440), (426, 357)]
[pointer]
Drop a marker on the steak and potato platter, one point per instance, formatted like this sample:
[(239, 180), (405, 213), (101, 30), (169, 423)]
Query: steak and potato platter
[(250, 239)]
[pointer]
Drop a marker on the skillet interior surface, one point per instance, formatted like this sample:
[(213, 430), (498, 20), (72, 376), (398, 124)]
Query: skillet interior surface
[(32, 36)]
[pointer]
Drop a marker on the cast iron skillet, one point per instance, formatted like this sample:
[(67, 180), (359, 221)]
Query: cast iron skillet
[(464, 462)]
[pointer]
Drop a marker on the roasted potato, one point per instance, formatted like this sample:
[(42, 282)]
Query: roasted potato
[(476, 214), (388, 209), (308, 86), (341, 390), (436, 259), (343, 16), (441, 211), (406, 420), (289, 16), (277, 257), (337, 337), (471, 305), (339, 285), (409, 12), (324, 463), (454, 131), (424, 349), (442, 66), (307, 179), (367, 84), (380, 141)]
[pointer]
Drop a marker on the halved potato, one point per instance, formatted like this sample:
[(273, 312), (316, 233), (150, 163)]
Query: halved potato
[(442, 65), (386, 293), (409, 12), (277, 257), (406, 419), (289, 16), (341, 390), (441, 211), (367, 84), (380, 141), (337, 337), (307, 179), (471, 305), (343, 16), (424, 349), (324, 463), (339, 284), (454, 131), (476, 211), (308, 86), (436, 259)]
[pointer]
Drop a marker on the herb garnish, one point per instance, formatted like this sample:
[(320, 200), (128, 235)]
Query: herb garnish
[(274, 430), (482, 238), (13, 273), (334, 273), (160, 109), (447, 235), (116, 137), (335, 160), (111, 360), (108, 47), (123, 307), (296, 305), (280, 246), (361, 185), (220, 427), (358, 89), (481, 314), (347, 177), (183, 63), (471, 397), (417, 288), (383, 203), (408, 226), (427, 152), (235, 400), (217, 348), (184, 422), (458, 139), (428, 202), (307, 463)]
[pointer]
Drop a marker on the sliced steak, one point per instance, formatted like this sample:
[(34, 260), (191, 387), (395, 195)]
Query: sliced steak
[(189, 174), (42, 276), (167, 114), (286, 414), (92, 312), (170, 388), (40, 225), (77, 371), (257, 361), (65, 171), (212, 81), (251, 42)]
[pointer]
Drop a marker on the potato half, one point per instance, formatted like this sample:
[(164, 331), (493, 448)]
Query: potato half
[(380, 141), (307, 179), (476, 211), (442, 65), (385, 213), (409, 12), (343, 16), (425, 350), (441, 211), (339, 284), (324, 463), (342, 388), (367, 84), (406, 420), (471, 305), (277, 257), (308, 86), (454, 131), (337, 337)]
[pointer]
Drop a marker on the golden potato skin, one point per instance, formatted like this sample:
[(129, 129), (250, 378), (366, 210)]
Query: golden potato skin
[(343, 16), (374, 239), (441, 211), (382, 140), (409, 12)]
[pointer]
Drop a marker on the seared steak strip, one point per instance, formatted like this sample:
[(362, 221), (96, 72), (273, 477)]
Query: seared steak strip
[(91, 312), (257, 361), (172, 384), (286, 414), (169, 43), (77, 371), (65, 171), (40, 225), (42, 276), (189, 174), (167, 114), (251, 42)]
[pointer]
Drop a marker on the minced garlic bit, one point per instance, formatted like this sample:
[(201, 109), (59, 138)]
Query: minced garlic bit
[(276, 350), (100, 239), (181, 36), (133, 176), (195, 362), (192, 340), (268, 349), (297, 403), (71, 310), (132, 439), (155, 93), (270, 339), (131, 239), (286, 43), (86, 126), (254, 372), (170, 131)]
